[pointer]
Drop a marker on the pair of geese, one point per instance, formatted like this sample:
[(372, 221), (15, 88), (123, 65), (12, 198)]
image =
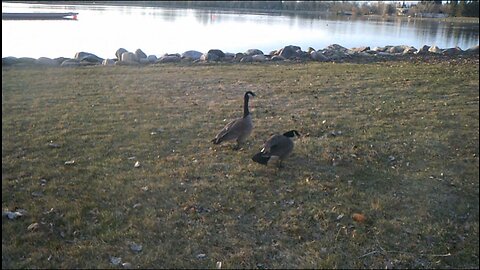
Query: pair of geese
[(275, 149)]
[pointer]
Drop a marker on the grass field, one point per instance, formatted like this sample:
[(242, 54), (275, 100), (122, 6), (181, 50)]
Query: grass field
[(396, 142)]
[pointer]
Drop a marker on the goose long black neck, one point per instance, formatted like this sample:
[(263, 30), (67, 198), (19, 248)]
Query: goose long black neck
[(246, 112)]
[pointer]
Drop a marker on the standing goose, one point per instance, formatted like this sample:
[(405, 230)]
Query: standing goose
[(276, 148), (238, 129)]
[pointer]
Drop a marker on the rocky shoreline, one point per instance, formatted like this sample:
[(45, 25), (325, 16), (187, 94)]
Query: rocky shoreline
[(332, 53)]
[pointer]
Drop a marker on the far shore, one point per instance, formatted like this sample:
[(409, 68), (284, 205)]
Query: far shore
[(262, 11)]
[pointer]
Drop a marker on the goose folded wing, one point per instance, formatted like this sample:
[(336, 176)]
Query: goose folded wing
[(272, 144), (231, 131)]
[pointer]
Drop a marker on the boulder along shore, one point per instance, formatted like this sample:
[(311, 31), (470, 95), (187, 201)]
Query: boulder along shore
[(290, 53)]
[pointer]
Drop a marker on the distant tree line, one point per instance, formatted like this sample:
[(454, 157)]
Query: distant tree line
[(453, 8), (462, 8)]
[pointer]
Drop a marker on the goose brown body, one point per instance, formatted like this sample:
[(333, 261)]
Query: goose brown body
[(238, 129), (277, 147)]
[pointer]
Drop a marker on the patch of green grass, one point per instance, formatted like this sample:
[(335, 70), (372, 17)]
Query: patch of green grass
[(395, 141)]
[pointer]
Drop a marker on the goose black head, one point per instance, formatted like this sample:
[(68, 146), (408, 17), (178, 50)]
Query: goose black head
[(291, 133), (249, 93)]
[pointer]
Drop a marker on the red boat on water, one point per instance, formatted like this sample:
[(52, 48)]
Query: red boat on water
[(40, 16)]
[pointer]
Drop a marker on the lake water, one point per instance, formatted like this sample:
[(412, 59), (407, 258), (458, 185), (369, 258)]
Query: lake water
[(103, 29)]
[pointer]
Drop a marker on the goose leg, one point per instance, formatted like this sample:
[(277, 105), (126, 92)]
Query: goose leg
[(240, 142), (236, 147)]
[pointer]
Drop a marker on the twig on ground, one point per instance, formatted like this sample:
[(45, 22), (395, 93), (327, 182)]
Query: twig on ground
[(405, 252), (421, 254), (336, 236), (368, 254)]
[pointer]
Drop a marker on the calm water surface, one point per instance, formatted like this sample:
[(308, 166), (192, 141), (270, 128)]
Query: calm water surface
[(103, 29)]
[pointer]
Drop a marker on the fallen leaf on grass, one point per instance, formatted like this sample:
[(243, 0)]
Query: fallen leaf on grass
[(359, 217)]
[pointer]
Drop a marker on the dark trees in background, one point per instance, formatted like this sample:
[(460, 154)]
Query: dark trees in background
[(454, 8)]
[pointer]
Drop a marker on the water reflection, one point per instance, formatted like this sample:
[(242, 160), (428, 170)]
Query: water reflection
[(104, 29)]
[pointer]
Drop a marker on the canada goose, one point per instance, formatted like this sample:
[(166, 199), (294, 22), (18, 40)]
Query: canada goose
[(276, 148), (238, 129)]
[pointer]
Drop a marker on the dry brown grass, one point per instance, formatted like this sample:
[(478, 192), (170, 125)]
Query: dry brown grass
[(406, 158)]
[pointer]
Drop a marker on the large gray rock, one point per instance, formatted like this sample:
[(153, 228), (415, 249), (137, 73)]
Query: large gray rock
[(336, 52), (318, 56), (119, 53), (253, 52), (45, 61), (108, 62), (152, 58), (9, 60), (310, 50), (452, 51), (129, 57), (140, 54), (383, 54), (211, 57), (472, 50), (26, 61), (361, 49), (302, 55), (216, 52), (229, 56), (191, 55), (246, 59), (169, 59), (423, 50), (381, 49), (70, 63), (88, 57), (173, 54), (371, 52), (435, 49), (409, 50), (350, 52), (364, 54), (259, 58), (289, 51), (336, 47), (397, 49), (275, 52), (60, 59), (127, 63), (277, 58), (238, 56)]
